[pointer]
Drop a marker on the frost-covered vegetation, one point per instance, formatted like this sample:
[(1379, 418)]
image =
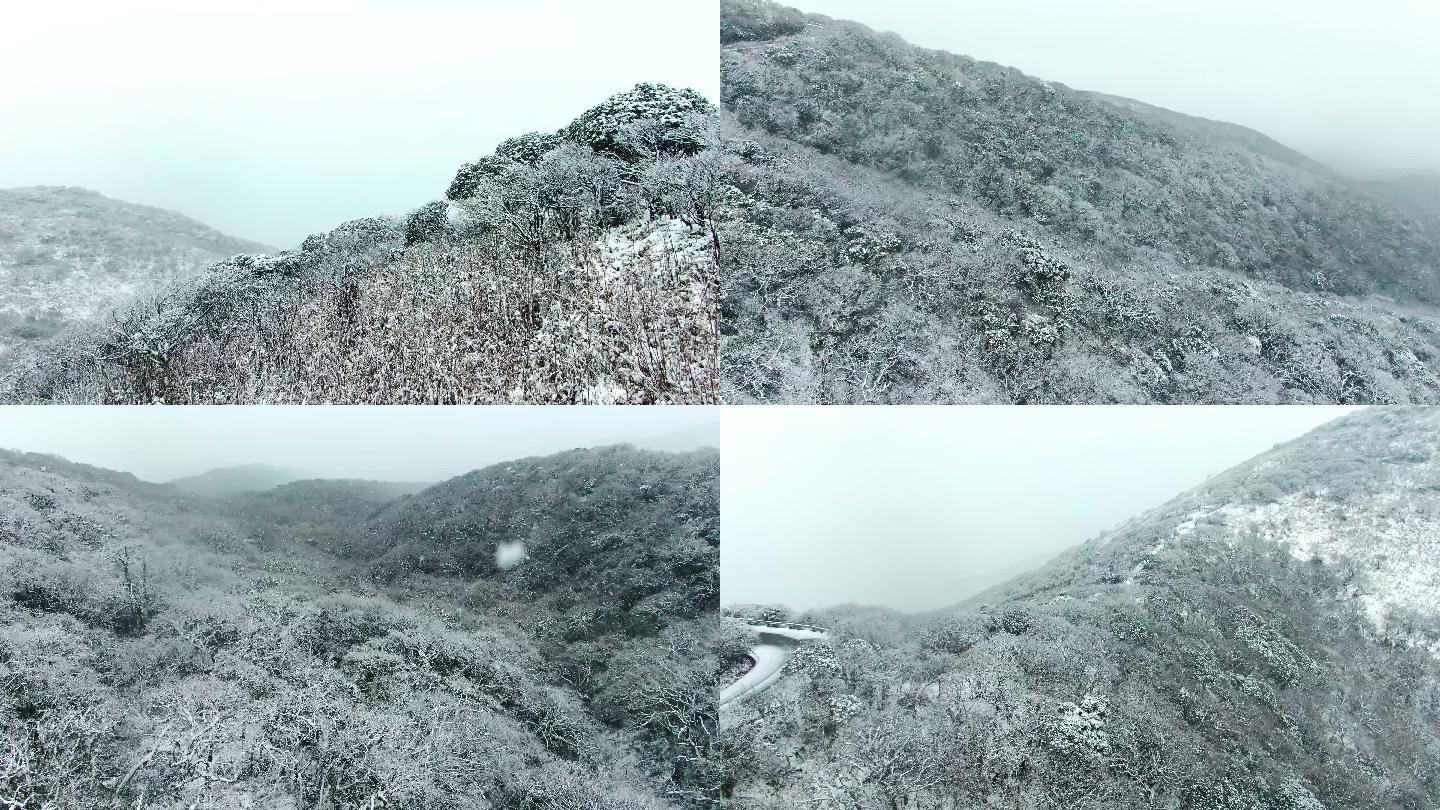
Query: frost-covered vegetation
[(1269, 640), (334, 644), (576, 266), (69, 254), (905, 225)]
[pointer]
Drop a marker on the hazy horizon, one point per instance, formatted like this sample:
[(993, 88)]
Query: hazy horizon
[(272, 120), (390, 443), (1349, 85), (917, 508)]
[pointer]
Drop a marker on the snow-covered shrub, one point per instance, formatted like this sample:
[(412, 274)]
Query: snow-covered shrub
[(1079, 730), (428, 223)]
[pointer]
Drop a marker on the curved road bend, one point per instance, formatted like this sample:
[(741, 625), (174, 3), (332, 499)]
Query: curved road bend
[(775, 646)]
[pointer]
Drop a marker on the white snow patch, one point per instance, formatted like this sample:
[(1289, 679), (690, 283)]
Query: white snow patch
[(1392, 537), (509, 554)]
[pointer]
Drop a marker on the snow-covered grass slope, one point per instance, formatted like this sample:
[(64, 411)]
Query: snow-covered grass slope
[(1361, 494), (69, 254)]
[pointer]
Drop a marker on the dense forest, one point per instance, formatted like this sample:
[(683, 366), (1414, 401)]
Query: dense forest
[(534, 635), (908, 225), (1268, 640), (573, 266)]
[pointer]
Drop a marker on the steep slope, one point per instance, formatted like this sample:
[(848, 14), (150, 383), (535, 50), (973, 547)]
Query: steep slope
[(574, 266), (172, 650), (1356, 492), (68, 254), (1268, 640), (909, 225), (223, 481)]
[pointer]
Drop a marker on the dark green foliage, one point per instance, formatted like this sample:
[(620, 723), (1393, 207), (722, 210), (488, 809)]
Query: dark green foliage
[(632, 535), (620, 581), (648, 122), (644, 124), (469, 177), (528, 148), (328, 513), (137, 603)]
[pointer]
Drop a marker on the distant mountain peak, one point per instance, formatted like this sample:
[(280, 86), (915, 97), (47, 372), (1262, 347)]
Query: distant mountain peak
[(223, 481)]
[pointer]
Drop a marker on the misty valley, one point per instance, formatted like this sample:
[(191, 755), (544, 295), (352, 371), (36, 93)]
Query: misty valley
[(534, 634)]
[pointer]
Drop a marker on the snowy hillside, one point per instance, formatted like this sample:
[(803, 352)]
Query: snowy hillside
[(1393, 538), (1362, 493), (69, 254), (1269, 639)]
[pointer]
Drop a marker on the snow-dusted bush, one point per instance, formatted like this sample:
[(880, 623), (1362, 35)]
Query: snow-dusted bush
[(647, 122)]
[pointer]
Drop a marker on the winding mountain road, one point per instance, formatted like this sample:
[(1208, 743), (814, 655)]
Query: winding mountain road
[(776, 643)]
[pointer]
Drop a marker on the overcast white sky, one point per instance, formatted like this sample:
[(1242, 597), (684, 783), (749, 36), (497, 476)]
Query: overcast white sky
[(1347, 82), (274, 119), (421, 443), (918, 507)]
